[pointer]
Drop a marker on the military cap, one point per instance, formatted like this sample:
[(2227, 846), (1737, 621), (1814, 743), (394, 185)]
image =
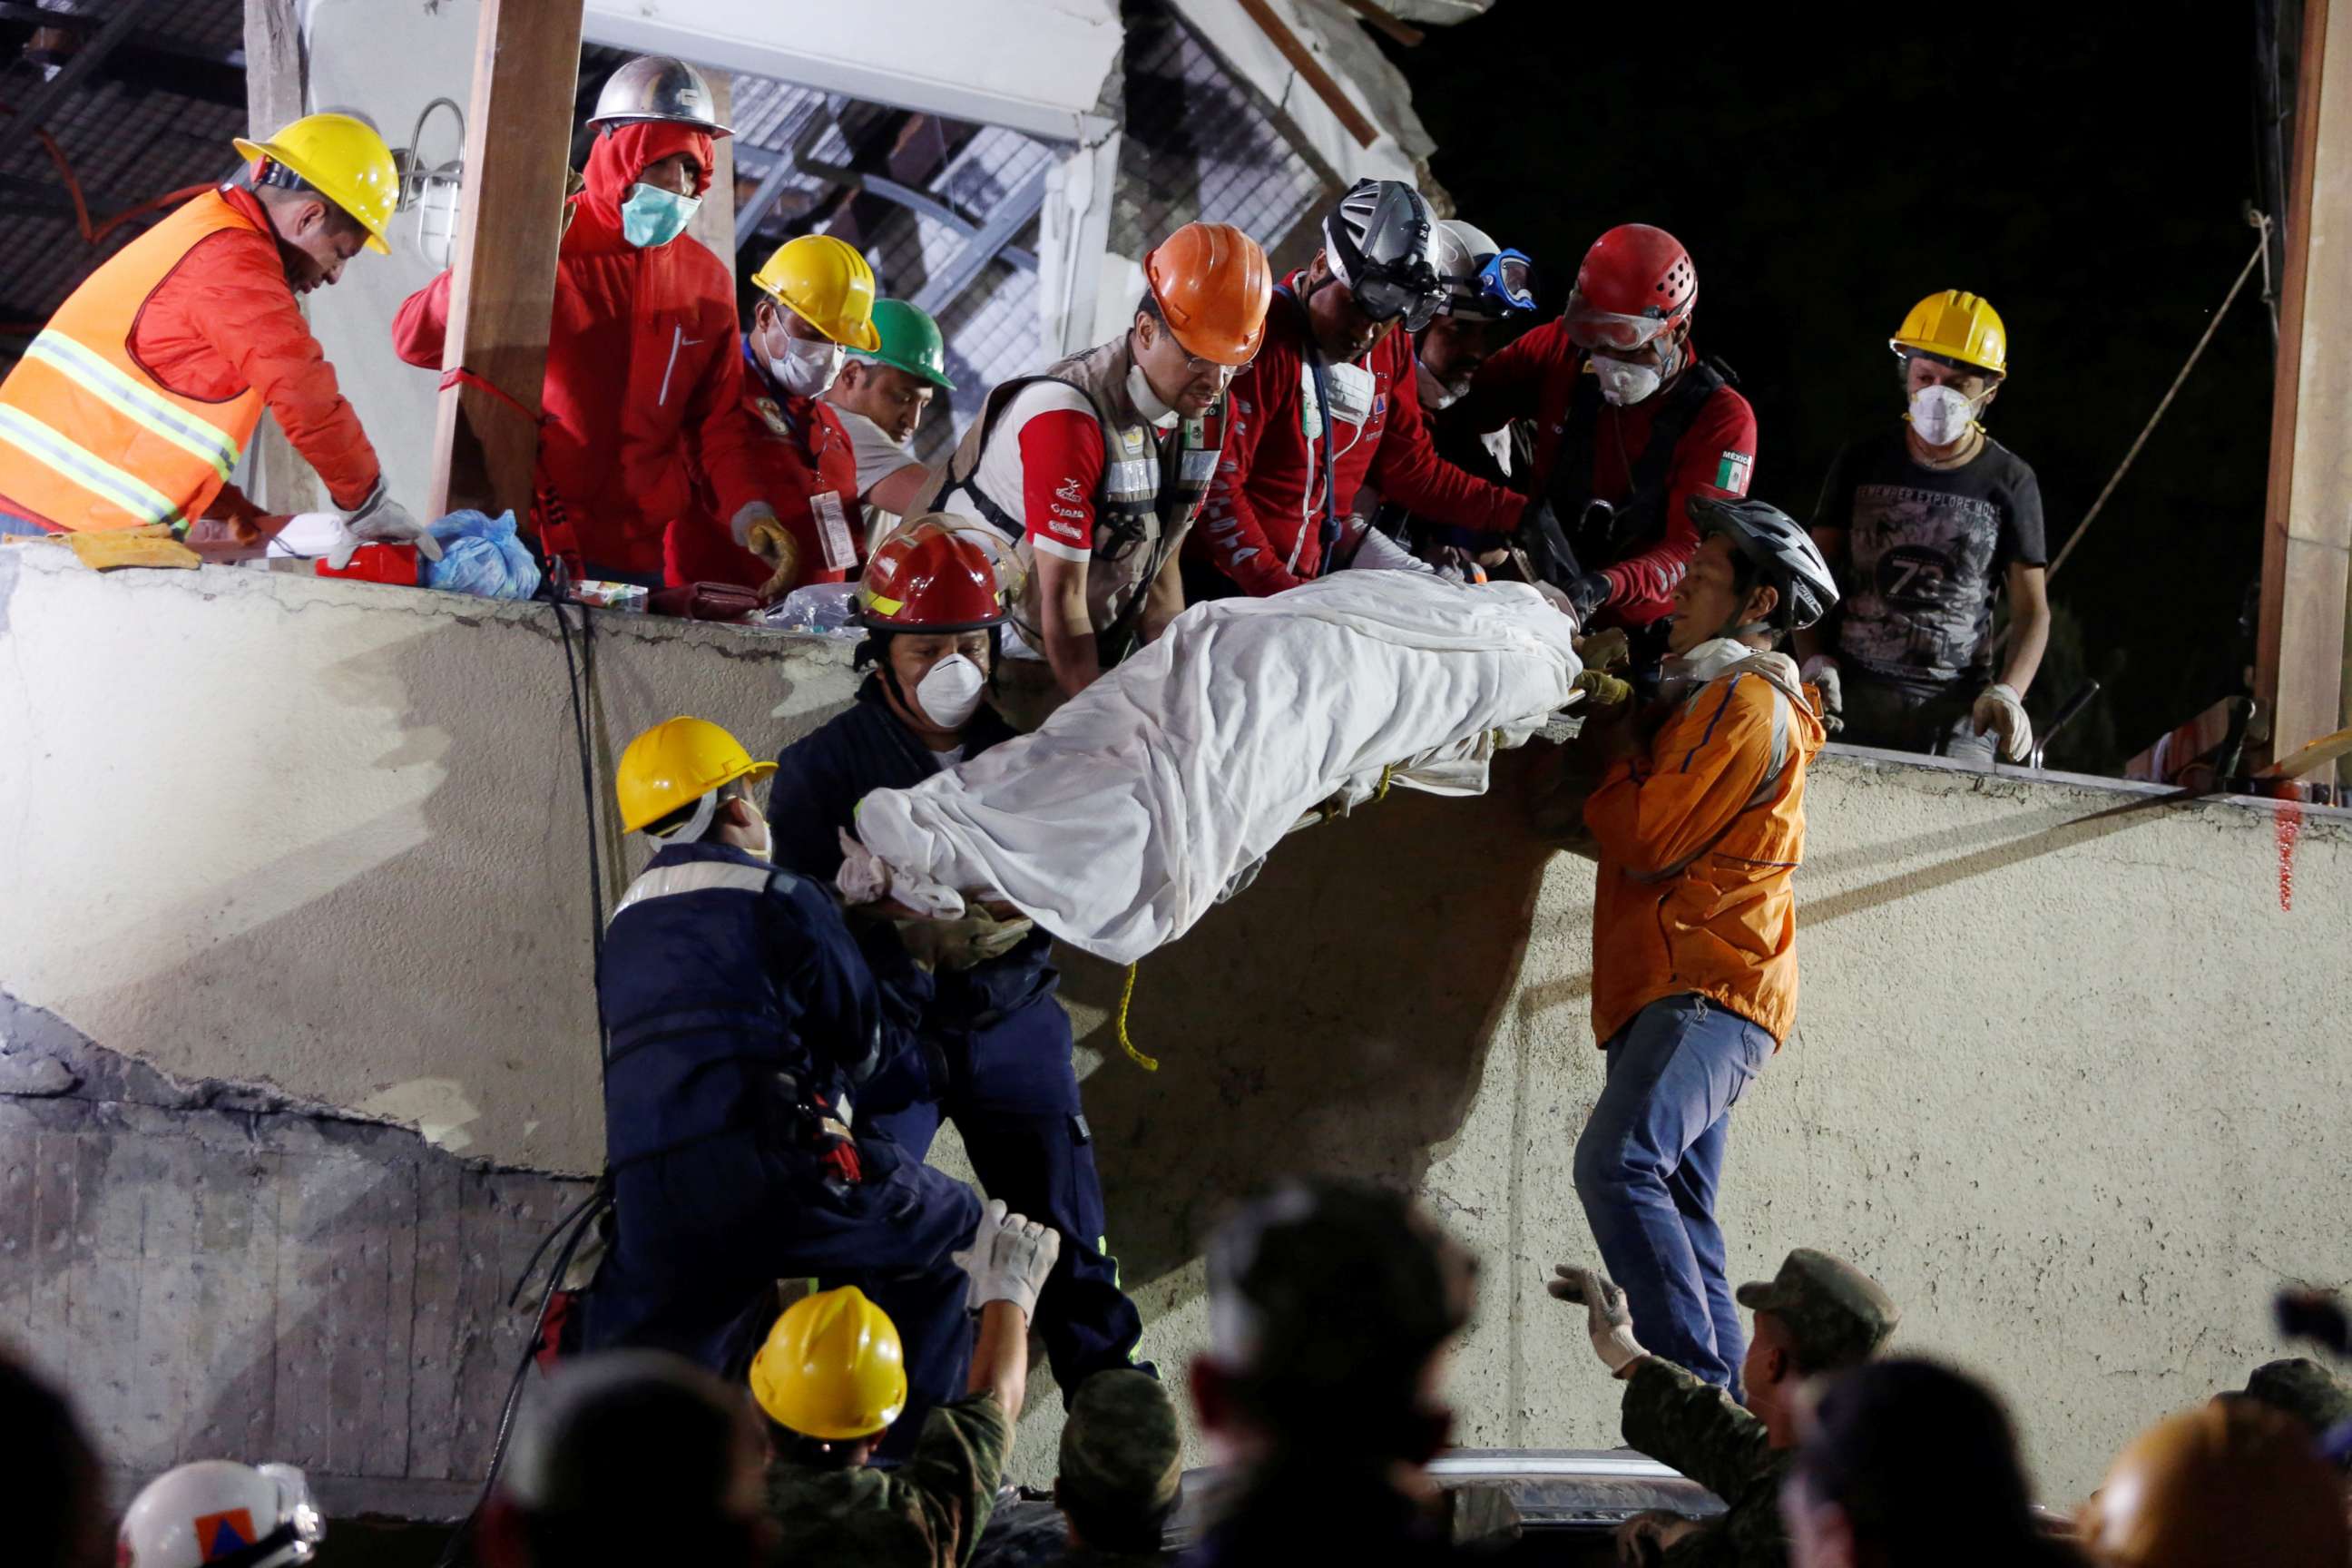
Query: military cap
[(2302, 1389), (1122, 1451), (1836, 1315)]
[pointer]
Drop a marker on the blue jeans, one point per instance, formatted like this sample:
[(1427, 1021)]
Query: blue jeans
[(1647, 1167)]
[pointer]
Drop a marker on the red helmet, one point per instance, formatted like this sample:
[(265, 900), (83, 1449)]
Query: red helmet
[(1636, 283), (931, 576)]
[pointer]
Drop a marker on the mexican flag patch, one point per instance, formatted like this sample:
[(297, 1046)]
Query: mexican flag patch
[(1731, 474)]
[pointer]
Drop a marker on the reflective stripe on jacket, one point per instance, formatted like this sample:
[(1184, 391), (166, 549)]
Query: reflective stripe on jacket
[(1697, 842), (89, 440)]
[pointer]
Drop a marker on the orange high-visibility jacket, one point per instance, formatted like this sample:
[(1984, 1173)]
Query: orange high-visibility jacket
[(1697, 843), (121, 414)]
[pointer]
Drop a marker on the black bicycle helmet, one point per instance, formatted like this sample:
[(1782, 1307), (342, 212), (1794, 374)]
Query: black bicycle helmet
[(1780, 548)]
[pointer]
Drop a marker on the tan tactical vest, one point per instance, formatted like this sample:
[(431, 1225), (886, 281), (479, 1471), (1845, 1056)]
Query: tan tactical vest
[(1151, 488)]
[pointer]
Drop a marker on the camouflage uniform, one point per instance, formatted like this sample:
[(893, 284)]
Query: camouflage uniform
[(928, 1513), (1836, 1316), (1122, 1467)]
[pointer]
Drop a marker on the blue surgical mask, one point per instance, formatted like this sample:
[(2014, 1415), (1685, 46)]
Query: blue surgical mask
[(652, 216)]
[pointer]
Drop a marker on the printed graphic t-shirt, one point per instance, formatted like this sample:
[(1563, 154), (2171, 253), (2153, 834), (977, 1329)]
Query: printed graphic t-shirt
[(1928, 552)]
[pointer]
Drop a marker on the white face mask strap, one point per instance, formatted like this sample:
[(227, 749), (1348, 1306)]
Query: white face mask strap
[(695, 827)]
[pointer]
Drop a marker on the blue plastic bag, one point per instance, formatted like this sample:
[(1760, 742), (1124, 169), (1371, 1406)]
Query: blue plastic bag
[(481, 555)]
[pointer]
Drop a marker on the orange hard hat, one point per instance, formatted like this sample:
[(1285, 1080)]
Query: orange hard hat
[(2227, 1483), (1213, 286), (932, 575)]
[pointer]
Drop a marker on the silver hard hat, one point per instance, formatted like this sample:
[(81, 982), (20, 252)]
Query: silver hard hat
[(656, 87)]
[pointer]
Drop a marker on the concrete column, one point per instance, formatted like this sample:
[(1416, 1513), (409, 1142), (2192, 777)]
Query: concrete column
[(1073, 242), (2307, 526)]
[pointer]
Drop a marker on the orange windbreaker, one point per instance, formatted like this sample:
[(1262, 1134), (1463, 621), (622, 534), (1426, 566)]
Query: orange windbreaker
[(1698, 840), (140, 393)]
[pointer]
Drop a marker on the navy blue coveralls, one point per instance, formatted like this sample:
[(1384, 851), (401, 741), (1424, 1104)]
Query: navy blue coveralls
[(736, 1000), (996, 1043)]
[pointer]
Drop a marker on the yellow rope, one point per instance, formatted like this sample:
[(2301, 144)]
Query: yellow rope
[(1381, 793), (1148, 1064)]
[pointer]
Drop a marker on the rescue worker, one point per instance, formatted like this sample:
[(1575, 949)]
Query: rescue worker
[(996, 1047), (831, 1382), (1330, 403), (2228, 1483), (643, 396), (1332, 1307), (218, 1510), (880, 398), (141, 393), (1120, 1477), (1907, 1463), (1490, 291), (1818, 1314), (1096, 467), (818, 304), (740, 1016), (1631, 424), (1699, 821), (1926, 532), (632, 1456)]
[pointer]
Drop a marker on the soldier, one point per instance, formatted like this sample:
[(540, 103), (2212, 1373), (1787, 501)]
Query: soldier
[(1817, 1314), (832, 1380), (1121, 1475)]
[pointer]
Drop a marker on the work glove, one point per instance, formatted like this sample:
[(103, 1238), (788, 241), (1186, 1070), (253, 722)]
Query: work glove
[(1607, 1317), (1539, 537), (380, 520), (2000, 711), (976, 939), (758, 532), (1009, 1259), (1821, 671)]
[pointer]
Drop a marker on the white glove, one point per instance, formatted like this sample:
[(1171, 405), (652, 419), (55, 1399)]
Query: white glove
[(1821, 671), (380, 520), (1607, 1318), (1009, 1259), (2000, 711), (865, 878)]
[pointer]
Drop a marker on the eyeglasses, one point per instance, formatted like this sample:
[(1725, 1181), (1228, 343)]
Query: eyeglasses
[(1591, 329)]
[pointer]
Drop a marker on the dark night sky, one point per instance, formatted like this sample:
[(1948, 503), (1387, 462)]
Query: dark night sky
[(2083, 166)]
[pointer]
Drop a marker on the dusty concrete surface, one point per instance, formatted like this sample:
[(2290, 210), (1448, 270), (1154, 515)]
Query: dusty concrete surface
[(2066, 1083)]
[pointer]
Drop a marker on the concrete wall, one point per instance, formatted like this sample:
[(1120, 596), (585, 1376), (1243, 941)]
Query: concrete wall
[(2065, 1082)]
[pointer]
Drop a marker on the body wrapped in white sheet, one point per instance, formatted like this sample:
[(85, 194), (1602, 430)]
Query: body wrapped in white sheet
[(1117, 824)]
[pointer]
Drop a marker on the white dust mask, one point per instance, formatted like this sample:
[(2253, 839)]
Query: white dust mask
[(1941, 415), (949, 693)]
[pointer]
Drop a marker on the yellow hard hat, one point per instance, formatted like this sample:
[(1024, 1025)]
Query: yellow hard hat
[(676, 764), (345, 160), (832, 1368), (1963, 328), (827, 283)]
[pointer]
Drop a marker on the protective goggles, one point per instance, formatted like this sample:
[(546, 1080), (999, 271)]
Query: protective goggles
[(1384, 299), (1509, 277), (1591, 329)]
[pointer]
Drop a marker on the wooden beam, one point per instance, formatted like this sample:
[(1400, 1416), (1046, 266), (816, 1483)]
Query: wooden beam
[(2307, 524), (276, 80), (714, 220), (1311, 70), (502, 290)]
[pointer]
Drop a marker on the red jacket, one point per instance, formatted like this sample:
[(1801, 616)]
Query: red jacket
[(643, 392), (226, 319), (802, 452), (1252, 521), (1535, 378)]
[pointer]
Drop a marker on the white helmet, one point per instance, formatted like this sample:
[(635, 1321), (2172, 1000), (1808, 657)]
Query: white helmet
[(217, 1513), (1482, 280)]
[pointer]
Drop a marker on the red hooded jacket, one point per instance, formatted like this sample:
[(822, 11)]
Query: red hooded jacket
[(1250, 526), (645, 385)]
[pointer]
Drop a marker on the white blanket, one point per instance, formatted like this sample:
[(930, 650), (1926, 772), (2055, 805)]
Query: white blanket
[(1117, 824)]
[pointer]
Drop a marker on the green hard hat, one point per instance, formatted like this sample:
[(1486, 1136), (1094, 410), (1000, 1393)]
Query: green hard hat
[(911, 342)]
